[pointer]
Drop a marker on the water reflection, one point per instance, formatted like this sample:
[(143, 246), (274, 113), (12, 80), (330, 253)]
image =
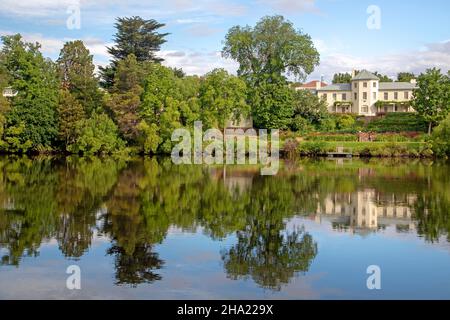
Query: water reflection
[(134, 204)]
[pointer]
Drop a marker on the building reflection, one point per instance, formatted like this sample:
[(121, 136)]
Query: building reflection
[(366, 210)]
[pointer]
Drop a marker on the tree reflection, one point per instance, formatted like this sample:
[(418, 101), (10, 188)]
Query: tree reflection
[(271, 258), (135, 202)]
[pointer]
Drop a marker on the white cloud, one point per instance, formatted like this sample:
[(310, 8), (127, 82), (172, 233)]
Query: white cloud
[(292, 6), (155, 8), (50, 47), (196, 62)]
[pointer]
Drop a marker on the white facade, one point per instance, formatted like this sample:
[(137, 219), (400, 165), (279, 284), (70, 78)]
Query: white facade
[(367, 96)]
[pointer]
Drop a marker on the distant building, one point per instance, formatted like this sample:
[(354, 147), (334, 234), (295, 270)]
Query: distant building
[(9, 92), (312, 86), (367, 96)]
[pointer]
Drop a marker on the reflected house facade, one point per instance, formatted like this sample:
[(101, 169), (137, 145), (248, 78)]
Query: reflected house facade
[(367, 209)]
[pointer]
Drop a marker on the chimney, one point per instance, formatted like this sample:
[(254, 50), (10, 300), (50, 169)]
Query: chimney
[(413, 81), (318, 85), (353, 73)]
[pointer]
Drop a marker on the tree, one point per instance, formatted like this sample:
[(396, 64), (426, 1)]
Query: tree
[(383, 78), (342, 78), (179, 72), (271, 49), (125, 99), (432, 98), (70, 112), (405, 76), (441, 138), (222, 98), (4, 103), (35, 79), (77, 74), (97, 135), (272, 104), (134, 36), (309, 106)]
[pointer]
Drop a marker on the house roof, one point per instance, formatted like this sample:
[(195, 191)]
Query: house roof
[(397, 86), (312, 84), (337, 87), (365, 75)]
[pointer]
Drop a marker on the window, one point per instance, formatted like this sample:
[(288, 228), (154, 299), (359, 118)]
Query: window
[(365, 84), (334, 96), (365, 109), (406, 95), (374, 84), (395, 95), (375, 95), (344, 96), (386, 96), (356, 96), (324, 96), (356, 85), (365, 95)]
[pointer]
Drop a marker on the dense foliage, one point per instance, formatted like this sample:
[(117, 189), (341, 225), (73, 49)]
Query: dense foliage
[(60, 107)]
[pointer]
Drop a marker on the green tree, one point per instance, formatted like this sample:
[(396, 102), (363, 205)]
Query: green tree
[(309, 106), (405, 76), (70, 112), (383, 78), (125, 99), (272, 104), (271, 49), (342, 78), (222, 98), (97, 135), (134, 36), (432, 98), (441, 138), (35, 79), (77, 74)]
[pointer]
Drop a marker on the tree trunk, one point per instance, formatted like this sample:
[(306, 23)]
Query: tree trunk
[(429, 128)]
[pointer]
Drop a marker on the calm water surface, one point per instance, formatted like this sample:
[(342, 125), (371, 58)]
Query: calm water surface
[(147, 229)]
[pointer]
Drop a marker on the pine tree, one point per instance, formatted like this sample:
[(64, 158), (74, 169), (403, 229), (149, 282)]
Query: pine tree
[(124, 100), (134, 36), (70, 112), (76, 71)]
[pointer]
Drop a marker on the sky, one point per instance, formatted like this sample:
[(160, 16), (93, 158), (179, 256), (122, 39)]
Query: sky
[(388, 36)]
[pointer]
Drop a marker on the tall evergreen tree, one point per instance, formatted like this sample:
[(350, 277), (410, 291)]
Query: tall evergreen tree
[(125, 100), (77, 74), (70, 111), (134, 36)]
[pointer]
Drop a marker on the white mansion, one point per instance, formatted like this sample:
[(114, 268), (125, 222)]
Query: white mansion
[(366, 95)]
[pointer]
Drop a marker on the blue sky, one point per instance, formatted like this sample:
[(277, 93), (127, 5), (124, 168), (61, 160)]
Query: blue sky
[(413, 35)]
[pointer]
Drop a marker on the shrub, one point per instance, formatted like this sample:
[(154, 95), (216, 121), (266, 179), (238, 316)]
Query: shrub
[(398, 122), (97, 135), (301, 125), (440, 139), (345, 121)]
